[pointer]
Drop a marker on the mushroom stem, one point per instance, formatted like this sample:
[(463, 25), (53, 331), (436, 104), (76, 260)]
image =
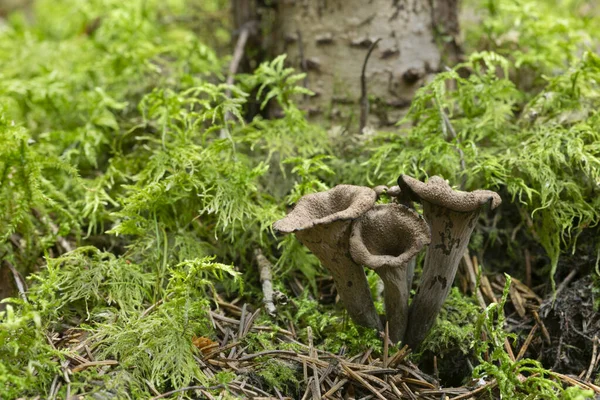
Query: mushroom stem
[(385, 239), (410, 273), (330, 244), (395, 296), (451, 215), (322, 222), (450, 234)]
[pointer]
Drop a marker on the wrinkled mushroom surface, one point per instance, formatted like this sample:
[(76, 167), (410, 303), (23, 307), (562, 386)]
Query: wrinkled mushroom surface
[(322, 222), (438, 192), (452, 216), (343, 202), (386, 238)]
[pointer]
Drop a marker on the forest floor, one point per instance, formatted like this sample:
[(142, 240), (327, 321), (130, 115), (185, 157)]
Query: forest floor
[(562, 333)]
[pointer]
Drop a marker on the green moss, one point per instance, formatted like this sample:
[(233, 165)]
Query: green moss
[(455, 326), (280, 374)]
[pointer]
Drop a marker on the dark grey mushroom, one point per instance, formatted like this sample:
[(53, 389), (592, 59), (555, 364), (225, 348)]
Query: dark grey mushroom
[(386, 238), (322, 222), (451, 215)]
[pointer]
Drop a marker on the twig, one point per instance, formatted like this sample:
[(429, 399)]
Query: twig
[(264, 269), (53, 388), (335, 387), (399, 356), (473, 278), (366, 384), (448, 125), (316, 390), (233, 67), (527, 342), (574, 382), (302, 59), (153, 306), (527, 268), (396, 390), (18, 280), (566, 282), (151, 387), (471, 394), (250, 322), (408, 391), (542, 327), (364, 98), (186, 389), (86, 365), (54, 229), (593, 360), (386, 344), (266, 353), (558, 352)]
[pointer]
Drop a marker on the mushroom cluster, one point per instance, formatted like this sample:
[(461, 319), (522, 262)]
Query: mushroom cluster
[(346, 230)]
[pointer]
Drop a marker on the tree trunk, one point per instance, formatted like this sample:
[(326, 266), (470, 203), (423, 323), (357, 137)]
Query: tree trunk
[(330, 39)]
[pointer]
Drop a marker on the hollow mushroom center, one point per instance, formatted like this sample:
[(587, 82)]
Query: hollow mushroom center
[(388, 235), (385, 239)]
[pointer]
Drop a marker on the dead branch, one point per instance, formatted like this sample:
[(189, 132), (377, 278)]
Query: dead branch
[(264, 269), (364, 98)]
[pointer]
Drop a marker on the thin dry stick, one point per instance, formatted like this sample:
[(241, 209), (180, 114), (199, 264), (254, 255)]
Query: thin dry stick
[(250, 322), (364, 98), (527, 268), (366, 384), (574, 382), (542, 327), (566, 282), (471, 394), (186, 389), (18, 281), (233, 67), (473, 279), (399, 356), (453, 134), (264, 269), (386, 344), (593, 360), (481, 301), (151, 387), (86, 365), (302, 59), (509, 350), (527, 342), (396, 390), (316, 389), (408, 391), (308, 389)]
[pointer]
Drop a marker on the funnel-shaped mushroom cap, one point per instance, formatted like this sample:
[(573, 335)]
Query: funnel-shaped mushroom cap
[(437, 191), (343, 202), (388, 235), (322, 222), (386, 238)]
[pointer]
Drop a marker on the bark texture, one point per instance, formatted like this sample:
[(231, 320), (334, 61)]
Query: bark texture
[(329, 40)]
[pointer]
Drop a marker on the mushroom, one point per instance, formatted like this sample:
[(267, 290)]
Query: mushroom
[(451, 215), (396, 195), (322, 222), (386, 238)]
